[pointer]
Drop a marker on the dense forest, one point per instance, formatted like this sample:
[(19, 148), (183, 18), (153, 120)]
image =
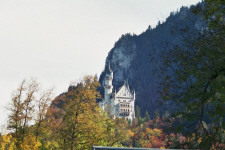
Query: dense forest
[(191, 77)]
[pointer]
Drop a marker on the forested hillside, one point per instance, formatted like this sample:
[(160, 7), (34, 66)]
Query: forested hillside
[(136, 57)]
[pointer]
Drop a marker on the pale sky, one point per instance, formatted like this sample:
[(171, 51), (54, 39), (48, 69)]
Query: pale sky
[(59, 41)]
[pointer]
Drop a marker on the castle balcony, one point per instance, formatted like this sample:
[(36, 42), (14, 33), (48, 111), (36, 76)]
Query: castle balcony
[(124, 105), (124, 114), (124, 110)]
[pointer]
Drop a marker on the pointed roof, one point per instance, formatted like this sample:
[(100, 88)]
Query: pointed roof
[(108, 69), (124, 90)]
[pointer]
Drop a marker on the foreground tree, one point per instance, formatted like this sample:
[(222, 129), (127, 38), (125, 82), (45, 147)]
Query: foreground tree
[(42, 106), (79, 123), (22, 108), (27, 112), (196, 80), (16, 111), (80, 108)]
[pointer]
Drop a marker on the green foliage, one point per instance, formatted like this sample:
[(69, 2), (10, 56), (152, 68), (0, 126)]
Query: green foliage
[(147, 117), (215, 8), (167, 114), (137, 112), (197, 80), (156, 114)]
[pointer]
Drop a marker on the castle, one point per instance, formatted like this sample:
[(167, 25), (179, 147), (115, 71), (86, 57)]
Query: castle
[(119, 103)]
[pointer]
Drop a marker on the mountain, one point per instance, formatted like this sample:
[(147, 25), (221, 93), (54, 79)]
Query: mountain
[(136, 57)]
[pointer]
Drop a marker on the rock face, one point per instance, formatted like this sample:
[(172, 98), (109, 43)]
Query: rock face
[(131, 57)]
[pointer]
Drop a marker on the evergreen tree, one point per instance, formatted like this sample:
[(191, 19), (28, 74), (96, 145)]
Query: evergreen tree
[(137, 112), (167, 114), (138, 115), (147, 117), (156, 114)]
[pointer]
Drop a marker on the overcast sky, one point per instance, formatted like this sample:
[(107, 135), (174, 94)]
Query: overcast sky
[(59, 41)]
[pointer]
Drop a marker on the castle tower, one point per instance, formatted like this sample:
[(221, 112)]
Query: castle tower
[(108, 84)]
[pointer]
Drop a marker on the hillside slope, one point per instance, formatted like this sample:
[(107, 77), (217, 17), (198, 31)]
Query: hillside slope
[(131, 57)]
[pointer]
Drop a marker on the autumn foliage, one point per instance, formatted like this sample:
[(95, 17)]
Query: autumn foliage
[(74, 120)]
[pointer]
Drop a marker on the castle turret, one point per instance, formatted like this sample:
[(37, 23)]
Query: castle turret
[(108, 83)]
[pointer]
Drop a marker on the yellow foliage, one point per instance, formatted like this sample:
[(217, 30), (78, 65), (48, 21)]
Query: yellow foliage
[(141, 126), (157, 132), (30, 143), (5, 139), (7, 142), (153, 132), (130, 133), (199, 140)]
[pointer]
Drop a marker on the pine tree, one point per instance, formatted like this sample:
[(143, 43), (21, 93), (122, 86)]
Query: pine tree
[(137, 112), (156, 114), (147, 117)]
